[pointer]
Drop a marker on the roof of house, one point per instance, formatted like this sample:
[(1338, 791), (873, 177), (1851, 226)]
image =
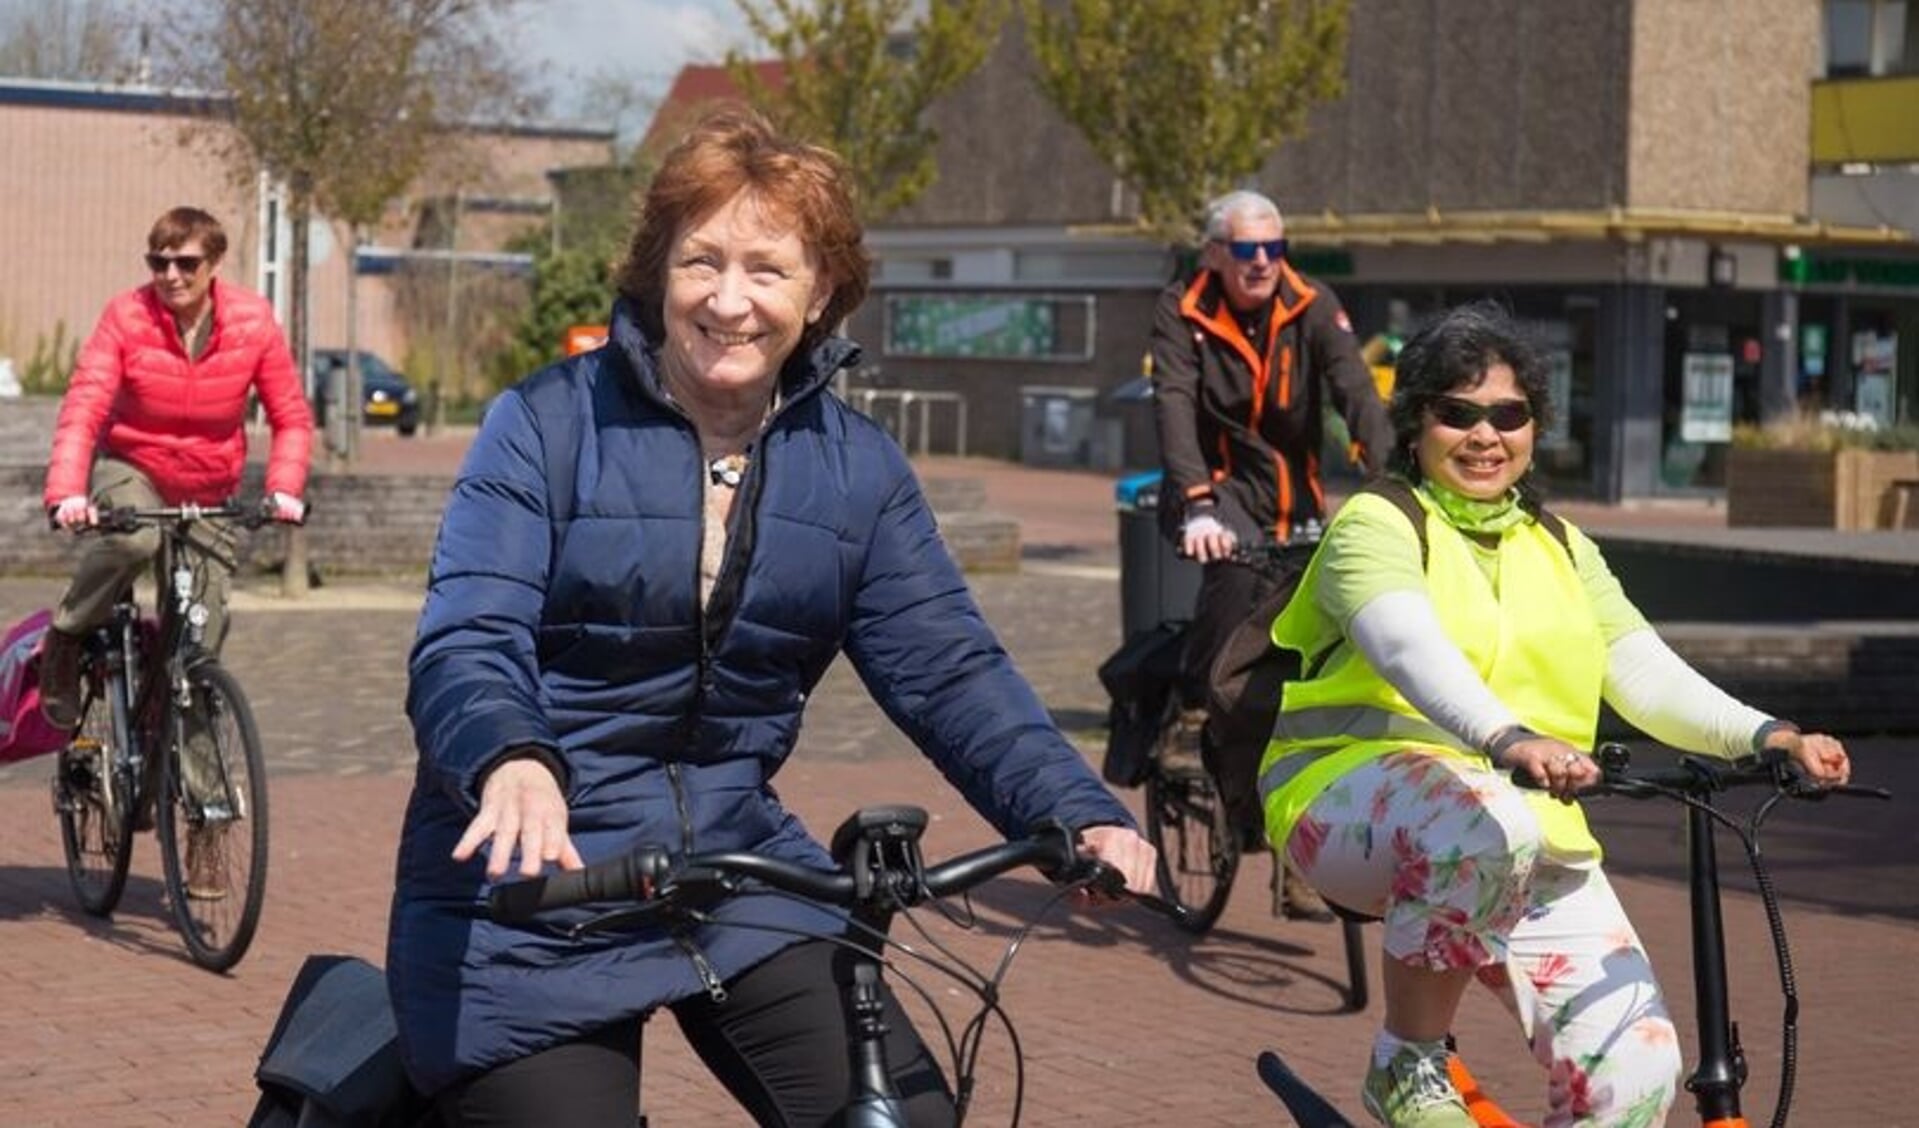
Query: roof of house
[(696, 88)]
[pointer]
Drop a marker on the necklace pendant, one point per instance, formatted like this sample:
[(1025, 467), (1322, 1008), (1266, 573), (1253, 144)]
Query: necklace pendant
[(727, 470)]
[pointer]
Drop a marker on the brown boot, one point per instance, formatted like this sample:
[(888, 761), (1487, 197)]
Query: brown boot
[(1179, 751), (206, 862), (60, 678), (1298, 900)]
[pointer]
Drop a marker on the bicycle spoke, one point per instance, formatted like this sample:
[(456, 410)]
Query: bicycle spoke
[(91, 796), (213, 825)]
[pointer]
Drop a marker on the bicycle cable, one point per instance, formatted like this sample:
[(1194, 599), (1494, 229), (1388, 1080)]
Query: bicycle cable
[(1748, 836)]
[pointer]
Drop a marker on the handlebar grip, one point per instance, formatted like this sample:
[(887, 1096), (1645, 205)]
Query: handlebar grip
[(630, 877)]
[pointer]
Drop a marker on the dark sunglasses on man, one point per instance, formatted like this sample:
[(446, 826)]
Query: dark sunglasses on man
[(1246, 250), (187, 264), (1464, 415)]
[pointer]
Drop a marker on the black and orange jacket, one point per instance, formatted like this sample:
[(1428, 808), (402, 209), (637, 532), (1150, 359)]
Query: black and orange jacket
[(1241, 421)]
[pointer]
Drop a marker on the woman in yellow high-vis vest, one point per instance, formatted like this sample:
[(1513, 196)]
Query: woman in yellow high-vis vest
[(1435, 662)]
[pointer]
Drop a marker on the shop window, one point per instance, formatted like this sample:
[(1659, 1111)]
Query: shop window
[(1869, 37)]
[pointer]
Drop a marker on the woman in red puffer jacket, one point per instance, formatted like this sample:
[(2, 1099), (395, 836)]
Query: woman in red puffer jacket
[(155, 415)]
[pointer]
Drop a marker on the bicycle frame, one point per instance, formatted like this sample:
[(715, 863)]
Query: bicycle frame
[(1720, 1072), (145, 720), (884, 874)]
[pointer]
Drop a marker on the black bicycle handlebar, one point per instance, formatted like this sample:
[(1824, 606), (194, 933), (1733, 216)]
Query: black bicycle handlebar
[(128, 518), (1698, 775), (653, 874)]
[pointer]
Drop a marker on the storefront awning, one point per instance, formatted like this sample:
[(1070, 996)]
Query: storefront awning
[(1630, 225)]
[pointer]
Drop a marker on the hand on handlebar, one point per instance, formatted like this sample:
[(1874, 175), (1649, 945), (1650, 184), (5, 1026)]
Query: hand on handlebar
[(1205, 538), (74, 513), (1124, 850), (521, 811), (1552, 765), (1822, 758), (286, 508)]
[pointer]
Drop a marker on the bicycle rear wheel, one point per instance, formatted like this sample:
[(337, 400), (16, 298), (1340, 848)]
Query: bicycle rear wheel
[(213, 823), (1198, 851), (93, 795)]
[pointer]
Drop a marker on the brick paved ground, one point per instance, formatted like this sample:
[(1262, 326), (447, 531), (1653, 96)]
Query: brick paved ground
[(1123, 1020)]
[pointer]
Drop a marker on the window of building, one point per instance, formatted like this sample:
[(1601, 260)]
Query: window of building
[(1870, 37), (897, 270)]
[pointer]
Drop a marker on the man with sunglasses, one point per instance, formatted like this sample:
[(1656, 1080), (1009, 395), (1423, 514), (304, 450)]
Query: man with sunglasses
[(1247, 355), (155, 415)]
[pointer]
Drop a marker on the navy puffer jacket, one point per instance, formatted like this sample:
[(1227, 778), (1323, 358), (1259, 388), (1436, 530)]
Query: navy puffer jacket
[(563, 612)]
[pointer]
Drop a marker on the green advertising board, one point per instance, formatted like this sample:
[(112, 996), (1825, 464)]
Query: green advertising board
[(970, 326)]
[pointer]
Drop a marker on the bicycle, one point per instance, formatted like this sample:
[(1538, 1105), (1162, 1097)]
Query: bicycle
[(1721, 1071), (1186, 818), (884, 875), (149, 692)]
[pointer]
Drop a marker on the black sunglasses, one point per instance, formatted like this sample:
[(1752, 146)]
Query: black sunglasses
[(1464, 415), (1246, 250), (188, 264)]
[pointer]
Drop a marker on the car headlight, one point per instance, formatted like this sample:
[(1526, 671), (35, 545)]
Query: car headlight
[(377, 395)]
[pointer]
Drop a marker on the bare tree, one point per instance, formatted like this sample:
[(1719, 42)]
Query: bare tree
[(344, 102), (859, 75), (70, 40), (1187, 98)]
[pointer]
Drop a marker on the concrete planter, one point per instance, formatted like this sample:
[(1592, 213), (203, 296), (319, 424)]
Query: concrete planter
[(1843, 489)]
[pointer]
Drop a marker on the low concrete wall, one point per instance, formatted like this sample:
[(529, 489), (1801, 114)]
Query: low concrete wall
[(360, 525), (1849, 678), (385, 524)]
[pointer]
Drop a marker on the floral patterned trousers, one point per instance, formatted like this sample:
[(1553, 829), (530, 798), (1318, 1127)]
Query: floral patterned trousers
[(1447, 852)]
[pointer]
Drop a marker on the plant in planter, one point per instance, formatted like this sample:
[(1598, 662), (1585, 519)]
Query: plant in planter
[(1834, 470)]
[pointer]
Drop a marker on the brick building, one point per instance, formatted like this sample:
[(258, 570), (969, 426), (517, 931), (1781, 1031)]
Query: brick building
[(1646, 181), (85, 169)]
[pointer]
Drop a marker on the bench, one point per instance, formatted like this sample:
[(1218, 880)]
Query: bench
[(1901, 491)]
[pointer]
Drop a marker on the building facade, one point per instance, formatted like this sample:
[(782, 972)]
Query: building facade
[(86, 169), (1644, 181)]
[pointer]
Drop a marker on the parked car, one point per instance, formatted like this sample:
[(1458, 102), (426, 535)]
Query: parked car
[(387, 399)]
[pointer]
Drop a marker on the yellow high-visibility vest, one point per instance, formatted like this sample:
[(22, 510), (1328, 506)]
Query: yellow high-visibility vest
[(1534, 640)]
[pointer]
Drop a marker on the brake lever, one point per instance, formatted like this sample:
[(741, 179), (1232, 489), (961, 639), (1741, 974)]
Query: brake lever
[(1106, 881), (685, 893)]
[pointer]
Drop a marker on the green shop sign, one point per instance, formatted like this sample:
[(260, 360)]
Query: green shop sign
[(1806, 269), (963, 326)]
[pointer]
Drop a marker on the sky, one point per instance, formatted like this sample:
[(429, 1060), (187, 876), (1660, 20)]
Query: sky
[(569, 43), (642, 42)]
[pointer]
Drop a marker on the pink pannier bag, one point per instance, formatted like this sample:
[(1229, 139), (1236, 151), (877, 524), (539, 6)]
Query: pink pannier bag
[(24, 731)]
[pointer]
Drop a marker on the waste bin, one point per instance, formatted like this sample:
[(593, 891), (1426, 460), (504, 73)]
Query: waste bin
[(1056, 426), (1155, 582)]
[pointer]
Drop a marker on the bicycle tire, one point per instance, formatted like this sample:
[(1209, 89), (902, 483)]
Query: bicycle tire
[(217, 919), (1198, 852), (94, 797)]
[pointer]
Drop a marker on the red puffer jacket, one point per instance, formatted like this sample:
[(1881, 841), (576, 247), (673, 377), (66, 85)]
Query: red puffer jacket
[(135, 396)]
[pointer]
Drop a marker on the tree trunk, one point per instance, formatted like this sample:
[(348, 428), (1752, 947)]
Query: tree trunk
[(293, 576), (355, 379)]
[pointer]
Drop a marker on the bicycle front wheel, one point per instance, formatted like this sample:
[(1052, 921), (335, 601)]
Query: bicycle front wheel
[(213, 823), (1198, 852), (93, 794)]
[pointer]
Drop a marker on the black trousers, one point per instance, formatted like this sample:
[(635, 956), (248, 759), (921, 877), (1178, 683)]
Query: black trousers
[(778, 1043), (1239, 599)]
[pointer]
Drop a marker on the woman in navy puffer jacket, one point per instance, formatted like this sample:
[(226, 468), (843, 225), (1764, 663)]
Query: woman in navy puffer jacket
[(652, 554)]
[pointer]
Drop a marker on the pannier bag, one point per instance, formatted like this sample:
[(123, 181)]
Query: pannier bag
[(24, 730), (1140, 678)]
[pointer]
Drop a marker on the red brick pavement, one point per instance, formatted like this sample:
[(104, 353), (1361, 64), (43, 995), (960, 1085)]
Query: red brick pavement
[(1123, 1020)]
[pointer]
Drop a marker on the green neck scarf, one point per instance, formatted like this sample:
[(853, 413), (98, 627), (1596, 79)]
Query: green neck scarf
[(1471, 515)]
